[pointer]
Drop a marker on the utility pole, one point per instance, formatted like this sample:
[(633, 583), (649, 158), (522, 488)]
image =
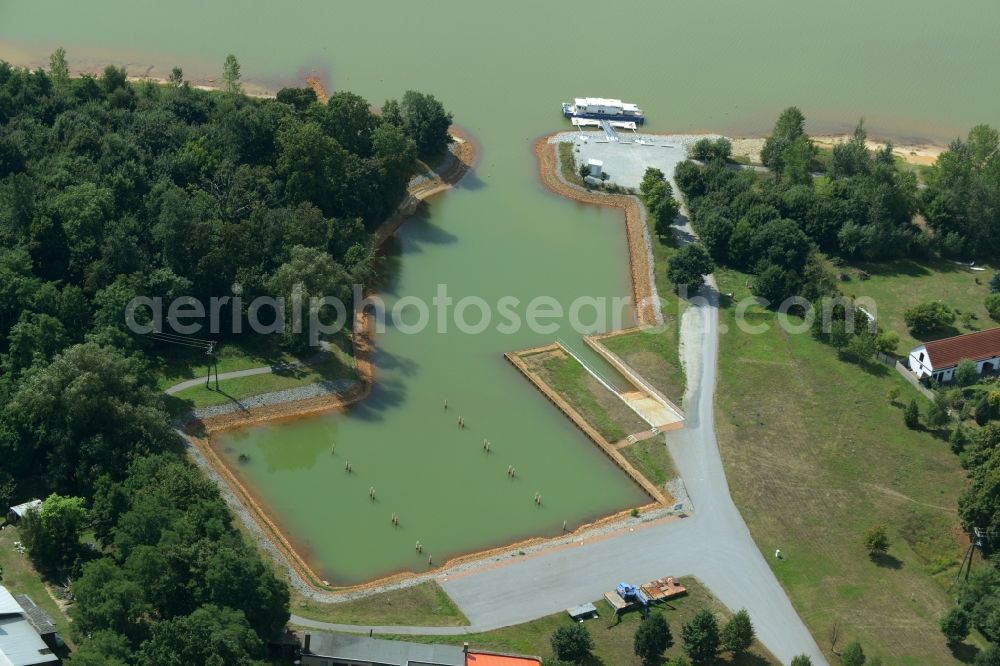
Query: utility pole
[(212, 361), (210, 348), (977, 542)]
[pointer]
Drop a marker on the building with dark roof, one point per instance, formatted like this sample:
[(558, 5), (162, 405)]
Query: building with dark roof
[(20, 642), (331, 649), (937, 360)]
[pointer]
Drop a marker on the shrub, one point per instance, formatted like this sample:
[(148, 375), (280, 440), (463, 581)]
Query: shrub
[(929, 317), (689, 266), (652, 639), (701, 637), (572, 643), (876, 541), (853, 655), (738, 633), (955, 625), (802, 660), (911, 415), (966, 373), (993, 305)]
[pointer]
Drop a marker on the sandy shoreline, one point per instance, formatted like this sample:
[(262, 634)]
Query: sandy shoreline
[(923, 154)]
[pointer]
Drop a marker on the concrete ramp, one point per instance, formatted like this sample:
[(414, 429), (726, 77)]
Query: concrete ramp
[(656, 414)]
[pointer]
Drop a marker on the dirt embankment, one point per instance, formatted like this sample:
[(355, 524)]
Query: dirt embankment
[(642, 288)]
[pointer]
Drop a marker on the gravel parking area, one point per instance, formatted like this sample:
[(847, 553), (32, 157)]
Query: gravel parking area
[(625, 163)]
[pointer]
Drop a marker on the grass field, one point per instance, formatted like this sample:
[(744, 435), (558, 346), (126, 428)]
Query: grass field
[(815, 454), (19, 577), (654, 356), (332, 367), (652, 459), (597, 405), (567, 164), (898, 285), (613, 644), (421, 605)]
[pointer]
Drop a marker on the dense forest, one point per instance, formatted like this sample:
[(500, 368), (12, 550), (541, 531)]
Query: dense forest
[(790, 225), (111, 189)]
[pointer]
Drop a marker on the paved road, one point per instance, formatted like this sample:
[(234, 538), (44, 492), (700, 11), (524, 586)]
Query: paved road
[(713, 544)]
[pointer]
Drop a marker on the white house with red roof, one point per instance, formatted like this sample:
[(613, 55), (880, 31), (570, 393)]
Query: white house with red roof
[(937, 360)]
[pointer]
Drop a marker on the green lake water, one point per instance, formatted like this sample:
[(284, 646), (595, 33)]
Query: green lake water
[(915, 69)]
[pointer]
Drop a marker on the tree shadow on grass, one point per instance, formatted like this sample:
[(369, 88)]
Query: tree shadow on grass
[(745, 659), (964, 652), (887, 561)]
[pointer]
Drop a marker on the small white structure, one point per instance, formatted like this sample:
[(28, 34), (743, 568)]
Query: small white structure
[(937, 360), (17, 513), (596, 167)]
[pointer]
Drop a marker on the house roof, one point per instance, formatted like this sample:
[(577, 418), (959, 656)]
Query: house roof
[(20, 644), (487, 659), (40, 620), (22, 509), (973, 346), (351, 647)]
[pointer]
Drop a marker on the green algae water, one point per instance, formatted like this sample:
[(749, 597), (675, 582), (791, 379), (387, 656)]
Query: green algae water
[(915, 69)]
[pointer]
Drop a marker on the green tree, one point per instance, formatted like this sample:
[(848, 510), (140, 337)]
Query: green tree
[(886, 342), (650, 179), (348, 119), (103, 648), (688, 267), (701, 637), (776, 284), (788, 152), (937, 414), (892, 394), (84, 415), (652, 639), (738, 634), (300, 99), (572, 643), (955, 625), (966, 373), (313, 166), (679, 660), (929, 318), (52, 533), (876, 541), (988, 657), (59, 68), (176, 77), (995, 283), (911, 415), (307, 275), (231, 75), (851, 158), (993, 305), (106, 600), (210, 635), (852, 655), (425, 120), (801, 660)]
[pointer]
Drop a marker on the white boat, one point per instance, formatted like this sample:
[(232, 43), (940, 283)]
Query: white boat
[(601, 108)]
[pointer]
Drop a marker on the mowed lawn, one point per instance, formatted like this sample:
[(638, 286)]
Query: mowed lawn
[(601, 408), (815, 454), (20, 577), (613, 642), (898, 285), (425, 604)]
